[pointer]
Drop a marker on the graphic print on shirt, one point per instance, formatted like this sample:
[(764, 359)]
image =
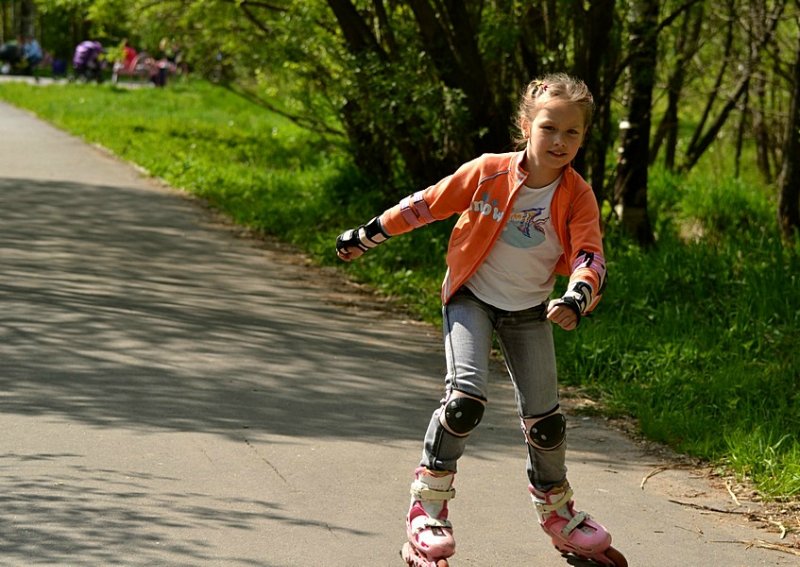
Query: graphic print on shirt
[(486, 208), (525, 229)]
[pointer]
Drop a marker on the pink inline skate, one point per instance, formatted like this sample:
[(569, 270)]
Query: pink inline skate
[(573, 532), (430, 534)]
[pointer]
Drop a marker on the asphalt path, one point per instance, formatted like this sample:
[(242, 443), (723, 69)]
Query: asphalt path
[(174, 392)]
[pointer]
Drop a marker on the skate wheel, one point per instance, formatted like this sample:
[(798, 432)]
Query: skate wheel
[(405, 553), (414, 559), (616, 556)]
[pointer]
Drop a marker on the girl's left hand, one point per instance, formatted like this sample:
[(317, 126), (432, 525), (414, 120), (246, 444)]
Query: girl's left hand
[(562, 315)]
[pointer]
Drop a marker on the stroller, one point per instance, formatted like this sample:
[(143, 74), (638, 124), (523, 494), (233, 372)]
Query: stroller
[(88, 61)]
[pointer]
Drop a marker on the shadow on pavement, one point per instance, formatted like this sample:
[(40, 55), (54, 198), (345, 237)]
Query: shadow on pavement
[(100, 516), (138, 311), (135, 316)]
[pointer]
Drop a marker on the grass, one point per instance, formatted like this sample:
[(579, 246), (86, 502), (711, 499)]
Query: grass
[(699, 343), (202, 139), (696, 338)]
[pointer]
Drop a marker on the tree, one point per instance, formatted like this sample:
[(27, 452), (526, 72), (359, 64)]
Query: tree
[(597, 55), (17, 18), (412, 88), (789, 180), (632, 168), (759, 36), (686, 46)]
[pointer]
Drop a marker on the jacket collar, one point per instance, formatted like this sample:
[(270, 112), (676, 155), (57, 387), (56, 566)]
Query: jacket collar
[(521, 174)]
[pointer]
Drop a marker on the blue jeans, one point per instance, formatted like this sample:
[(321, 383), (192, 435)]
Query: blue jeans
[(526, 340)]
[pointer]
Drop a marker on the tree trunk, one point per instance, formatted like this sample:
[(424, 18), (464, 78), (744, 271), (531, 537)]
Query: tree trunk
[(740, 133), (631, 179), (452, 44), (760, 126), (789, 180), (686, 46), (595, 59), (765, 143), (27, 17), (4, 13)]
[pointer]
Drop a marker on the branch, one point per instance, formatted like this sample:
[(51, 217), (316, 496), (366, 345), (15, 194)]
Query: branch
[(253, 20), (698, 145), (356, 32), (302, 121), (256, 4), (666, 22), (717, 83), (155, 3)]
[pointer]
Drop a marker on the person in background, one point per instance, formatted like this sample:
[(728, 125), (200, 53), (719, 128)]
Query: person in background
[(31, 56), (126, 65)]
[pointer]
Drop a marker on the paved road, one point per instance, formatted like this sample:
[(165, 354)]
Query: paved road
[(172, 393)]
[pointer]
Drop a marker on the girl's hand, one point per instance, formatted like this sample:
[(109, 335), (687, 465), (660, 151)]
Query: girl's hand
[(347, 254), (352, 243), (562, 315)]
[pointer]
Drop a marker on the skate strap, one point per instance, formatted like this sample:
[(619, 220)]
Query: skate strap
[(558, 503), (576, 521), (421, 491)]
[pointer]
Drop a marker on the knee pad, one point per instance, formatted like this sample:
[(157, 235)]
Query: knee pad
[(545, 432), (461, 413)]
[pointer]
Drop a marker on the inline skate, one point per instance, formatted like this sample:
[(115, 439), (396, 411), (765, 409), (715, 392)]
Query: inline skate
[(430, 534), (572, 532)]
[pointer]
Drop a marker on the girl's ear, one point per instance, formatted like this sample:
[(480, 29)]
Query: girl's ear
[(525, 127)]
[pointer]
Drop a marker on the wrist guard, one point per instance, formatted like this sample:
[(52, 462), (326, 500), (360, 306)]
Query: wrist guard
[(365, 237), (577, 298)]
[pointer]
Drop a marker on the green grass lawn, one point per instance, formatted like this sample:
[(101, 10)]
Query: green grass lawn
[(695, 339)]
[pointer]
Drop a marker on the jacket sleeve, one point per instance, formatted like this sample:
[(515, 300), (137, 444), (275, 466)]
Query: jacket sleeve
[(587, 263), (450, 196)]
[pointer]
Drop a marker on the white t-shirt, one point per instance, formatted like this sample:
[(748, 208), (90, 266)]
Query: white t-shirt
[(519, 271)]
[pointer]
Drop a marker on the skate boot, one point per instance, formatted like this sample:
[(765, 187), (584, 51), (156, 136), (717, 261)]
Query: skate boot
[(573, 532), (430, 534)]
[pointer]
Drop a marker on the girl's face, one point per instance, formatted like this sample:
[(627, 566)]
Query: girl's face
[(554, 137)]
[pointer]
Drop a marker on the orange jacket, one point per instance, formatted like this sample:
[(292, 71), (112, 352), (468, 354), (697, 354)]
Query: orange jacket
[(483, 191)]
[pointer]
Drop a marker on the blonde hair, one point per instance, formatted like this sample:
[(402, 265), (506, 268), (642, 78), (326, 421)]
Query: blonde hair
[(555, 86)]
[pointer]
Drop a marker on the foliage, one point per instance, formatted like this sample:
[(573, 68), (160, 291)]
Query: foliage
[(413, 88)]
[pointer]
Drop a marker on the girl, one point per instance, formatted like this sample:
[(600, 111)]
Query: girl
[(524, 217)]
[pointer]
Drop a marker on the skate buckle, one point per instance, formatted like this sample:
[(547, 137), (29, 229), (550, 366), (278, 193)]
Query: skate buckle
[(576, 521), (434, 523)]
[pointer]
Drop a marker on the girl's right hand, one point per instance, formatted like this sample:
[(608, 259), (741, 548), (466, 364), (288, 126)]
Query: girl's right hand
[(348, 254), (352, 244)]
